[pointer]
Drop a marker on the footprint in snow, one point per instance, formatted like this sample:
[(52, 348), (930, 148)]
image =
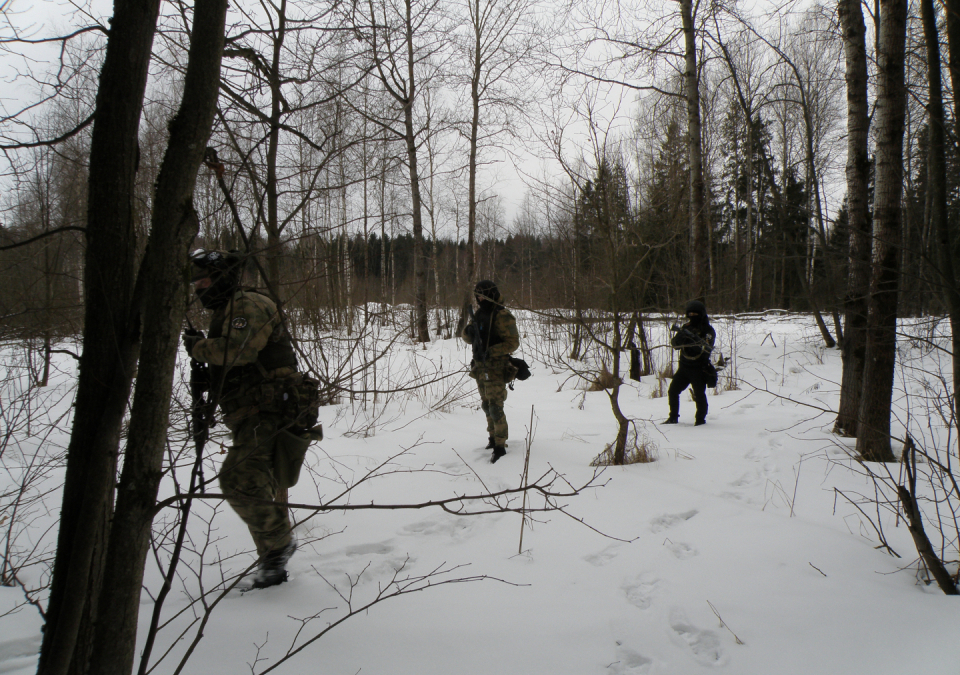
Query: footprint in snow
[(630, 662), (368, 549), (680, 550), (757, 454), (641, 591), (841, 451), (755, 476), (455, 527), (742, 497), (668, 520), (703, 644), (603, 557)]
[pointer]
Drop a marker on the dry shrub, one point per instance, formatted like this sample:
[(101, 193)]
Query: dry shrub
[(604, 380), (663, 384), (728, 380), (640, 450)]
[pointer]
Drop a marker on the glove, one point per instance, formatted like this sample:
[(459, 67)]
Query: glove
[(190, 339), (471, 332)]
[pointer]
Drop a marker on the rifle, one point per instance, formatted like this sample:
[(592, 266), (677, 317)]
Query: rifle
[(690, 339), (478, 349), (200, 421)]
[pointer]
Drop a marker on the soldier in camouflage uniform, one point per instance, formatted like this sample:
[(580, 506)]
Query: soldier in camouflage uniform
[(493, 335), (252, 365)]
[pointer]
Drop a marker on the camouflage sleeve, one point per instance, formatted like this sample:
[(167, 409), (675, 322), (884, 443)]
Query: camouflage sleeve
[(506, 327), (248, 322)]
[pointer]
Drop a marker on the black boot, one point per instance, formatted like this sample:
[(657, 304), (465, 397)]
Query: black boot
[(273, 567), (491, 444), (673, 419), (699, 423), (498, 452)]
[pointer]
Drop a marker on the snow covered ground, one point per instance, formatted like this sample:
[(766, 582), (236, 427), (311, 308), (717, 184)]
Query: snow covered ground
[(732, 552)]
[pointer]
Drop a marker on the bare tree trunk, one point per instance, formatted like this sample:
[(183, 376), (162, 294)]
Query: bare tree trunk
[(873, 437), (947, 236), (419, 256), (346, 258), (383, 231), (623, 423), (111, 335), (699, 239), (272, 253), (471, 277)]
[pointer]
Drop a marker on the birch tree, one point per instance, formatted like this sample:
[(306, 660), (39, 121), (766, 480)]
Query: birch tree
[(858, 167)]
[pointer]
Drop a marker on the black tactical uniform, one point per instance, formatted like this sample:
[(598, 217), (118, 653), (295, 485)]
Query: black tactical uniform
[(694, 342)]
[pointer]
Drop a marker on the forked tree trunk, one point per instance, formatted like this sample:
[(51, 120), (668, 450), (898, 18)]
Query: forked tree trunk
[(173, 227), (110, 337)]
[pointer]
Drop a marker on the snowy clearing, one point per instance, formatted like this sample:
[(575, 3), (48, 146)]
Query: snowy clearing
[(735, 551)]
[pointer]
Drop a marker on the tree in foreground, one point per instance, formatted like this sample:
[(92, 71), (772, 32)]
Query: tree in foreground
[(873, 434), (91, 626)]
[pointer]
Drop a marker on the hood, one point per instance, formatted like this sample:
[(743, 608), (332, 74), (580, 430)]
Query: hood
[(488, 290), (698, 307)]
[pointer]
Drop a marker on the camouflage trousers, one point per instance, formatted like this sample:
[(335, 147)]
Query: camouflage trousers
[(493, 394), (248, 472)]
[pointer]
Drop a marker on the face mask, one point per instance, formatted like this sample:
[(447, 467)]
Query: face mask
[(215, 294)]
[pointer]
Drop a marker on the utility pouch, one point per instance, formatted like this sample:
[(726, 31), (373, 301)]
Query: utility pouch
[(710, 376), (521, 369), (299, 399), (289, 452)]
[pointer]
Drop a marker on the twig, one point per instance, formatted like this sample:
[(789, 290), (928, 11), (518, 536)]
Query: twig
[(523, 481), (724, 624)]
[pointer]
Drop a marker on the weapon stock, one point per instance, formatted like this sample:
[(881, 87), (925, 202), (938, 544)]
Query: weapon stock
[(199, 416)]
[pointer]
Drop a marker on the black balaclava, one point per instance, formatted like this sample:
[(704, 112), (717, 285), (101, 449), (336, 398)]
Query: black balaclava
[(224, 269), (700, 309), (487, 290)]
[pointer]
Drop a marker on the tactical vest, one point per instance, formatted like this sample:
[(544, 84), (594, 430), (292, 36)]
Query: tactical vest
[(486, 335), (278, 353), (695, 352)]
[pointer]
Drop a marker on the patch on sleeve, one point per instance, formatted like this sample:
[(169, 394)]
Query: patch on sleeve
[(239, 323)]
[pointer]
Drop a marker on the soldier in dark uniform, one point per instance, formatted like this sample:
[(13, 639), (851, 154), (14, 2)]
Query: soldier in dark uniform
[(253, 373), (493, 335), (694, 342)]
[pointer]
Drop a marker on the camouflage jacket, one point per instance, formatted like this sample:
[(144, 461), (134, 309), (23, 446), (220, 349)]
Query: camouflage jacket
[(503, 340), (247, 343)]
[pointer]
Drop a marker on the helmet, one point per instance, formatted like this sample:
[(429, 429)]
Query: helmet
[(212, 263), (223, 270)]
